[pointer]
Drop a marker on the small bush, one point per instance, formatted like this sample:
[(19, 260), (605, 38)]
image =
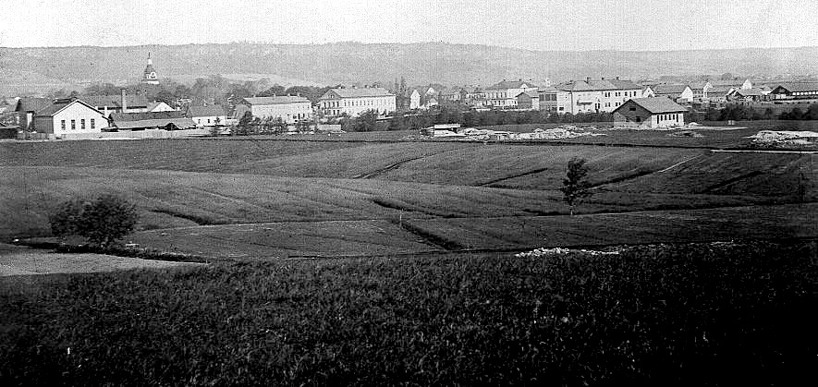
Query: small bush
[(102, 221)]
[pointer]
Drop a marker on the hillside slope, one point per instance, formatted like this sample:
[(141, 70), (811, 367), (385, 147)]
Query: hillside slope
[(356, 62)]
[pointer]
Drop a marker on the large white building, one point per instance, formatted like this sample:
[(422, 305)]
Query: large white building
[(69, 117), (504, 94), (290, 109), (352, 102), (589, 95)]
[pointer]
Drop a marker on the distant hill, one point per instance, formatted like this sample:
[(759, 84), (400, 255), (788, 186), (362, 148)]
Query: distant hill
[(38, 69)]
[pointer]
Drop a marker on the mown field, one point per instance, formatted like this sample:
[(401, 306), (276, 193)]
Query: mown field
[(700, 314), (321, 198), (378, 263)]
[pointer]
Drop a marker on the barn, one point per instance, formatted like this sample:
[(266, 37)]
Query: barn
[(649, 113)]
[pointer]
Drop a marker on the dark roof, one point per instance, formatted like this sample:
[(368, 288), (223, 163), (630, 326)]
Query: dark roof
[(59, 105), (669, 89), (27, 104), (206, 111), (528, 93), (282, 99), (656, 105), (181, 123), (115, 101), (149, 69), (504, 85), (624, 84), (799, 86), (748, 92), (125, 117)]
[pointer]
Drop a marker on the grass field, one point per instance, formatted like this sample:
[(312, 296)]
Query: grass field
[(289, 185), (376, 263), (712, 314)]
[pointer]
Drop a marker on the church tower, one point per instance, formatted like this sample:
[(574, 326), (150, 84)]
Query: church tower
[(150, 77)]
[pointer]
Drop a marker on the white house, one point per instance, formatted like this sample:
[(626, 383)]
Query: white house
[(290, 109), (649, 113), (504, 94), (676, 92), (69, 116), (212, 115), (590, 95), (353, 102)]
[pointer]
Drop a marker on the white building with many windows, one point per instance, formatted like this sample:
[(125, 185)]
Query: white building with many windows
[(589, 95), (503, 95), (352, 102), (69, 116), (290, 109)]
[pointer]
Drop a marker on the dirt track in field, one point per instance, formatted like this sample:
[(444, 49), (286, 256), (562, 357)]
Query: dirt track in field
[(22, 261)]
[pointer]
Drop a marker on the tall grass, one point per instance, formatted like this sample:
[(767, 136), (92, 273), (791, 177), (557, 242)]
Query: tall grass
[(701, 314)]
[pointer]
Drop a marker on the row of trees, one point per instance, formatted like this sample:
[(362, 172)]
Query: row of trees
[(747, 113), (367, 121)]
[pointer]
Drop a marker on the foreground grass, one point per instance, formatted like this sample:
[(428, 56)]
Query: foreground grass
[(704, 314)]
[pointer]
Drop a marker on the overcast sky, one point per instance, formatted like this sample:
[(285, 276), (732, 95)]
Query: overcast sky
[(530, 24)]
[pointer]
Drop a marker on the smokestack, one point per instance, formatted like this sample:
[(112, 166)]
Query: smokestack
[(123, 102)]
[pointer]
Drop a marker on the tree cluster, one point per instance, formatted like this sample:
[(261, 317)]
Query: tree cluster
[(103, 221)]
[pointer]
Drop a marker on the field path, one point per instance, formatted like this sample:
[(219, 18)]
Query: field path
[(36, 262)]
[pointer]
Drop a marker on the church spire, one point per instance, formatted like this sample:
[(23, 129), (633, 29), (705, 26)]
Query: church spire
[(150, 76)]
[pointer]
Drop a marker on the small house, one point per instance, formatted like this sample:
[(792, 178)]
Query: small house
[(649, 113), (69, 116)]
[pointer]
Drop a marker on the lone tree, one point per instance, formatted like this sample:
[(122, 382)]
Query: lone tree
[(102, 221), (575, 185)]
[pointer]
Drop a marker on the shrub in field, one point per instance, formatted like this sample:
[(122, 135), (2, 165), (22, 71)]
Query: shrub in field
[(575, 186), (102, 221)]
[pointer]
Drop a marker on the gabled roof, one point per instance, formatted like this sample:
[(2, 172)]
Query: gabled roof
[(58, 106), (276, 100), (115, 101), (728, 82), (799, 86), (529, 93), (505, 85), (624, 84), (206, 111), (748, 92), (657, 105), (669, 89), (599, 85), (28, 104), (358, 93)]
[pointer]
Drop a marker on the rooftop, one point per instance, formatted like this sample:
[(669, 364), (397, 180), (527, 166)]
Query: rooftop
[(206, 111), (276, 100), (364, 92), (669, 89), (518, 84), (657, 105), (115, 101)]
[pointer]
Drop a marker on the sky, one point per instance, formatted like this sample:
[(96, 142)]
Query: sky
[(549, 25)]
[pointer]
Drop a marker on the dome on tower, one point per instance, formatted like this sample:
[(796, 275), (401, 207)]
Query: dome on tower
[(150, 76)]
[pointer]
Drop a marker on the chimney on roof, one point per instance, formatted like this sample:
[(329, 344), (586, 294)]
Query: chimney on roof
[(123, 102), (617, 78), (603, 78)]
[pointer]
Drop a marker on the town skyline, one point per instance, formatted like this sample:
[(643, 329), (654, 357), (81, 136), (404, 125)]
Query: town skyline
[(544, 26)]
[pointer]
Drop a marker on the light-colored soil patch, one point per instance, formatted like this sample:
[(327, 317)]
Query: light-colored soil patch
[(36, 262)]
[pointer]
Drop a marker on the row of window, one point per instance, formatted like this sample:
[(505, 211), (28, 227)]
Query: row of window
[(74, 124), (367, 102), (668, 117), (607, 94)]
